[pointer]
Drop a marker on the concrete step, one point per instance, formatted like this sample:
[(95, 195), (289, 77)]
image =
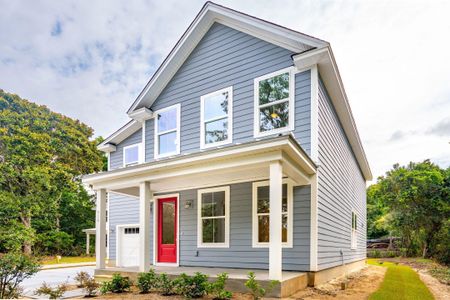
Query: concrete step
[(102, 278)]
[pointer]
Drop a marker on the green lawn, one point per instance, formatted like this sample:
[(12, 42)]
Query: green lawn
[(67, 260), (400, 283)]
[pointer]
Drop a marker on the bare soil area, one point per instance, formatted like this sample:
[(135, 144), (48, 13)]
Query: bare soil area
[(359, 285)]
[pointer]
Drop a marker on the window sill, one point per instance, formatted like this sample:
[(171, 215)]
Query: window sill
[(259, 134), (287, 246), (214, 145), (212, 246)]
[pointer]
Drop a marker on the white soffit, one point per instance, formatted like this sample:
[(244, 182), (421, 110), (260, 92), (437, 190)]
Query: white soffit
[(332, 80), (108, 145), (210, 13)]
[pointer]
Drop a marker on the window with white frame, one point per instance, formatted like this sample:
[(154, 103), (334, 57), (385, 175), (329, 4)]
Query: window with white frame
[(354, 237), (261, 214), (216, 118), (132, 155), (274, 102), (213, 217), (167, 131)]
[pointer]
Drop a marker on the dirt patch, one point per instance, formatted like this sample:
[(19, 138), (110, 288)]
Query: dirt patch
[(359, 286)]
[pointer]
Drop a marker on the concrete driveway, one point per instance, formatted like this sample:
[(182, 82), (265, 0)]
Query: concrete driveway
[(53, 277)]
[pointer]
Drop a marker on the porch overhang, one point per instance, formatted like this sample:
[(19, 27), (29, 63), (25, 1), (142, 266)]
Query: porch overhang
[(237, 163)]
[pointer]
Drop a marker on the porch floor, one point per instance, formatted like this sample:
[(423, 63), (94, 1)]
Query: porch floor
[(291, 281), (233, 273)]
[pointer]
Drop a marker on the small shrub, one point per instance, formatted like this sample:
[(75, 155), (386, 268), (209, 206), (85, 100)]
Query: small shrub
[(15, 268), (217, 288), (256, 289), (118, 284), (52, 293), (90, 287), (147, 281), (81, 277), (191, 287), (166, 285)]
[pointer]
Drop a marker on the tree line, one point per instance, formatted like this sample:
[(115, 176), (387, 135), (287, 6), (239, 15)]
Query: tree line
[(412, 203), (43, 204)]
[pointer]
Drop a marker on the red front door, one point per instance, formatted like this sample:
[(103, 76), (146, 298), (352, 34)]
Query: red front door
[(167, 230)]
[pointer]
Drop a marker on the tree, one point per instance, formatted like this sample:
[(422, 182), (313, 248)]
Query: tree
[(42, 156), (412, 202)]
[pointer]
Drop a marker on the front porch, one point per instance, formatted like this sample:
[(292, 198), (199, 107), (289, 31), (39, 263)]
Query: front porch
[(290, 283), (276, 161)]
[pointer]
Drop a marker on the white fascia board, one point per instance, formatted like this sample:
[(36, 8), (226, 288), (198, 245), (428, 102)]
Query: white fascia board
[(241, 154), (210, 13), (141, 114), (107, 148), (121, 134), (332, 80)]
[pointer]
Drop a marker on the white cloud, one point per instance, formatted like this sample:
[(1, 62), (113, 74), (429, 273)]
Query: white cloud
[(393, 57)]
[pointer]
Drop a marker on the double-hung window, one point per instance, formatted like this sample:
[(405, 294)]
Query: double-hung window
[(132, 155), (167, 131), (274, 103), (213, 217), (261, 214), (354, 237), (216, 118)]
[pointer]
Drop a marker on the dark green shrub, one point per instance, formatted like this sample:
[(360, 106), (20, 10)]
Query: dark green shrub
[(166, 286), (256, 289), (191, 286), (217, 288), (52, 293), (147, 281), (118, 284), (15, 268)]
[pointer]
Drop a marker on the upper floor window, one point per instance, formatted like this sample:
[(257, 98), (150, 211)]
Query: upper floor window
[(354, 237), (132, 155), (213, 217), (274, 102), (261, 214), (167, 131), (216, 118)]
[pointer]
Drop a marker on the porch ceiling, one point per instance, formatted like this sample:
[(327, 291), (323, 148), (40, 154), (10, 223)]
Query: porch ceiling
[(237, 163)]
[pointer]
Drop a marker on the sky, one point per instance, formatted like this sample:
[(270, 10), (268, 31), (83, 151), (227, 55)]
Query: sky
[(90, 59)]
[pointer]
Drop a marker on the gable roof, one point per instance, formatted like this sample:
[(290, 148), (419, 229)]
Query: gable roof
[(310, 51), (211, 12)]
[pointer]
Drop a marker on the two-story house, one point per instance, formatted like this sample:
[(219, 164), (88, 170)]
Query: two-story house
[(241, 152)]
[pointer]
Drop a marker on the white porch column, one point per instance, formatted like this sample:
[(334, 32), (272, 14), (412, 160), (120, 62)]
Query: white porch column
[(100, 230), (145, 196), (275, 239), (88, 238)]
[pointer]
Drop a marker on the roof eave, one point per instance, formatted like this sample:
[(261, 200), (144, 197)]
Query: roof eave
[(209, 14), (329, 72)]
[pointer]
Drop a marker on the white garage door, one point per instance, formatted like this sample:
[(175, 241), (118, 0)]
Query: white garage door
[(129, 246)]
